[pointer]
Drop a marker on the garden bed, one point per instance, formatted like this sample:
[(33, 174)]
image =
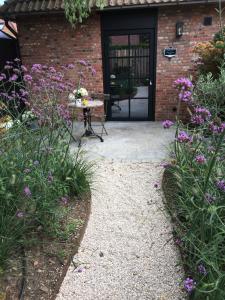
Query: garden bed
[(47, 262)]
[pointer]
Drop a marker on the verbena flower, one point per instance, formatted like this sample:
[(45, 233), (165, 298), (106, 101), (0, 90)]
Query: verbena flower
[(200, 159), (20, 214), (221, 185), (215, 128), (202, 270), (189, 284), (197, 119), (209, 198), (83, 62), (183, 83), (14, 77), (167, 124), (27, 78), (27, 191), (183, 137), (64, 200)]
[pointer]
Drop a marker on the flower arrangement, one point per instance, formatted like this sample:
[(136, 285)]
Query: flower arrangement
[(78, 94)]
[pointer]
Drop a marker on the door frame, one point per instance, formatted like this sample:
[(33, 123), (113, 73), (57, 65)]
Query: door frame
[(120, 28)]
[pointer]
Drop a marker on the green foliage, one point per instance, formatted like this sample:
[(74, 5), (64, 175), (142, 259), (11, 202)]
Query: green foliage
[(30, 159), (210, 92), (211, 54), (78, 10), (195, 190)]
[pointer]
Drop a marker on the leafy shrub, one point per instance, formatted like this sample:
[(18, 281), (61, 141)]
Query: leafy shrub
[(211, 54), (38, 174), (196, 202), (210, 92)]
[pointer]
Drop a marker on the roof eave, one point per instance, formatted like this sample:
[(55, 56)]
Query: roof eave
[(13, 16)]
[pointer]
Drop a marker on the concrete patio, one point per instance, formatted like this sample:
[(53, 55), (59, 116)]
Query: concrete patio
[(133, 141)]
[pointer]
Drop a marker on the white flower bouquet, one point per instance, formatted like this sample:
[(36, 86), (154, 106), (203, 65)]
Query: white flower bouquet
[(78, 94)]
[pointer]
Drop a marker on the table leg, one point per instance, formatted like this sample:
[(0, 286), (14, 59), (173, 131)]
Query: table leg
[(89, 131)]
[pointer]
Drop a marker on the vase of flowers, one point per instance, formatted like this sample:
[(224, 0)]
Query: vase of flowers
[(77, 95)]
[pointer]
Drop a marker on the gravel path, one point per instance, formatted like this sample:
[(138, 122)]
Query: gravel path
[(127, 251)]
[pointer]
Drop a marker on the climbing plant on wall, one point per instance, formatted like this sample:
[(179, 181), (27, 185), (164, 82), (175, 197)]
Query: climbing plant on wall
[(78, 10)]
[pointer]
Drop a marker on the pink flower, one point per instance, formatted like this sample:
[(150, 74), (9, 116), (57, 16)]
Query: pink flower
[(20, 214), (27, 78), (27, 191), (200, 159), (13, 78), (183, 137), (167, 124)]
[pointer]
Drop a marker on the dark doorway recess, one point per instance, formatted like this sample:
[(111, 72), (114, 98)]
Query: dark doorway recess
[(129, 49)]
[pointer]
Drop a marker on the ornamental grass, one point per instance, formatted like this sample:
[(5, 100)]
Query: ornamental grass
[(38, 174), (194, 185)]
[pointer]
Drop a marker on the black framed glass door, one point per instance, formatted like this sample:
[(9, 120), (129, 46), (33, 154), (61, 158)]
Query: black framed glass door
[(129, 74)]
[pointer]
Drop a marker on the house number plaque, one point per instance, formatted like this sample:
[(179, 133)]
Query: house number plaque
[(170, 52)]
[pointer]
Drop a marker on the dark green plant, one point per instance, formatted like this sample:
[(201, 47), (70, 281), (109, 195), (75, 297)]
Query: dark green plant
[(209, 92), (78, 10), (194, 185)]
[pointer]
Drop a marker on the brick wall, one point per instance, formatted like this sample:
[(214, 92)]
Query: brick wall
[(51, 40), (182, 64)]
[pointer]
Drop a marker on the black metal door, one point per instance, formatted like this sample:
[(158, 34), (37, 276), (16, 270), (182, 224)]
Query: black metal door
[(129, 74)]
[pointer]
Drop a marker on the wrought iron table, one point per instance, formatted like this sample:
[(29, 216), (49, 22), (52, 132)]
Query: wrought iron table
[(89, 131)]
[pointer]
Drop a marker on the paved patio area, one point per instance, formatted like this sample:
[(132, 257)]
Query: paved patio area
[(132, 141), (127, 252)]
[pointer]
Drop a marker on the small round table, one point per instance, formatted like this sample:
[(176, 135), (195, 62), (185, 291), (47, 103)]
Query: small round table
[(89, 131)]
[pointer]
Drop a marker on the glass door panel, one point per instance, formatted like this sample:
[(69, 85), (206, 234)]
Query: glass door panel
[(128, 76), (138, 108)]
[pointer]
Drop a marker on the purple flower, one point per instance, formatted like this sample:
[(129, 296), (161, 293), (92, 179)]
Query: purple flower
[(183, 137), (64, 200), (183, 83), (189, 284), (197, 119), (221, 185), (27, 78), (200, 159), (202, 269), (185, 96), (209, 198), (204, 112), (36, 68), (83, 62), (13, 78), (167, 124), (20, 214), (215, 128), (27, 191), (36, 162), (52, 70), (70, 66), (17, 59)]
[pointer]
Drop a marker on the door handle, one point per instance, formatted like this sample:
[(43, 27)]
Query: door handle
[(150, 82)]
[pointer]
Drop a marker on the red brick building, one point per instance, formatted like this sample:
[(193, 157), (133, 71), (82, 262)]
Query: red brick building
[(127, 43)]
